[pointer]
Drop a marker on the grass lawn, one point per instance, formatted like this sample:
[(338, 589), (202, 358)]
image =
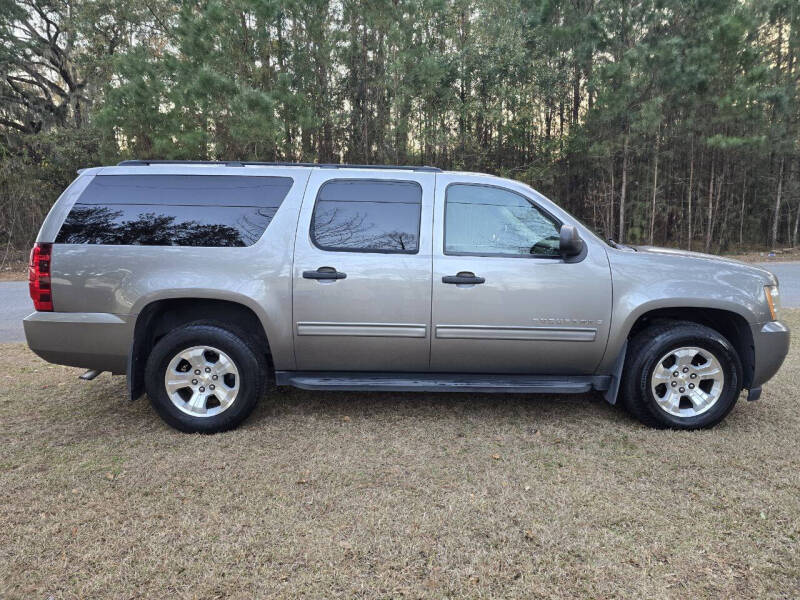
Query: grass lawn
[(392, 495)]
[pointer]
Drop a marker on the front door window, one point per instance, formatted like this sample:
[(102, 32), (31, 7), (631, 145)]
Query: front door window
[(483, 220)]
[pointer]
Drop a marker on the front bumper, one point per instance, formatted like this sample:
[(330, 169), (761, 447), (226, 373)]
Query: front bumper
[(770, 346), (99, 341)]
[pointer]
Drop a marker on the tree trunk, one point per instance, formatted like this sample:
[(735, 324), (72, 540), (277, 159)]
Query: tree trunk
[(792, 172), (622, 191), (576, 96), (710, 207), (722, 237), (796, 223), (364, 113), (741, 214), (777, 208), (691, 178), (611, 229), (548, 122), (655, 188)]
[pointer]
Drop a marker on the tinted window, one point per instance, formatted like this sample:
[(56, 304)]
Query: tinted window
[(367, 216), (491, 221), (174, 210)]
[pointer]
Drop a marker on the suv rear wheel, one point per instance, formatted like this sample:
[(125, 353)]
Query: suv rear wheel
[(681, 375), (204, 378)]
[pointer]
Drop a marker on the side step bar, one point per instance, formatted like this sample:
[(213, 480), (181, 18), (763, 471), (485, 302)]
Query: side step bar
[(442, 382)]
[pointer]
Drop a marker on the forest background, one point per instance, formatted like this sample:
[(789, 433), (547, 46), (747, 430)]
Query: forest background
[(664, 122)]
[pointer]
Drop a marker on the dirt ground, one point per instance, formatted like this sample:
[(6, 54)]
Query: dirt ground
[(14, 271), (767, 256), (342, 495)]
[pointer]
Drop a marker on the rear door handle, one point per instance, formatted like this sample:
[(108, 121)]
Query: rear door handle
[(324, 273), (463, 277)]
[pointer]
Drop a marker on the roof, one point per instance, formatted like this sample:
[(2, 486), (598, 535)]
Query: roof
[(238, 163)]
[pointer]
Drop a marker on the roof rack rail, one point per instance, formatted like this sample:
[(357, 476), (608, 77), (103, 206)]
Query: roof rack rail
[(147, 163), (247, 163)]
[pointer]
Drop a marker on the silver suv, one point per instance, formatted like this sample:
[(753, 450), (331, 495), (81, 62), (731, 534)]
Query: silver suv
[(205, 282)]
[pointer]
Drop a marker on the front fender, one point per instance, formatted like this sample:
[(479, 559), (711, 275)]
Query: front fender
[(643, 283)]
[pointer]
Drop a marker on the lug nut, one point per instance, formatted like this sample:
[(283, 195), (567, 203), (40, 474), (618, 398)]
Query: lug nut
[(194, 381), (202, 389), (674, 383), (681, 390), (197, 371), (691, 386), (685, 369), (211, 387), (693, 375), (208, 369), (214, 377), (675, 374)]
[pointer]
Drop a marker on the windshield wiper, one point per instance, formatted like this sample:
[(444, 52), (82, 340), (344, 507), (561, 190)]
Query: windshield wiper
[(619, 246)]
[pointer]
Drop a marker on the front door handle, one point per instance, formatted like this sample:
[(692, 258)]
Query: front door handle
[(324, 273), (463, 277)]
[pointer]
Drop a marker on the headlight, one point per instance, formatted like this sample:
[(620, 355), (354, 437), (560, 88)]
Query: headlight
[(773, 300)]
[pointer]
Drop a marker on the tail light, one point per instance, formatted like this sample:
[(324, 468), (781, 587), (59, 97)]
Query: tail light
[(39, 277)]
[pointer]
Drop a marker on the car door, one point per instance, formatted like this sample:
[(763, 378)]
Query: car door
[(504, 300), (362, 271)]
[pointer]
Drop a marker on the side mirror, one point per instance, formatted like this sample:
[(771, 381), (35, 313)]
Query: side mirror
[(570, 242)]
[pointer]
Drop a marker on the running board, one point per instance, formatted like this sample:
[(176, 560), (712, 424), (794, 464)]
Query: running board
[(442, 382)]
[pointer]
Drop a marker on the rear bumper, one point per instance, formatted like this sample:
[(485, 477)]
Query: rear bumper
[(99, 341), (770, 345)]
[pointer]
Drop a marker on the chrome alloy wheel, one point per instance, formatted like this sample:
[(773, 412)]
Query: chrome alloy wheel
[(687, 381), (202, 381)]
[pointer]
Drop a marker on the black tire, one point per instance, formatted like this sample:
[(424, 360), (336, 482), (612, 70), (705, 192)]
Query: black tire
[(647, 348), (250, 363)]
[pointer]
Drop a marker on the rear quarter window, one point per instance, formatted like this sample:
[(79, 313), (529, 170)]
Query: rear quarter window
[(174, 210)]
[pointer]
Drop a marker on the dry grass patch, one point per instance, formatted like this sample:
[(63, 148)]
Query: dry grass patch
[(763, 256), (391, 495), (15, 270)]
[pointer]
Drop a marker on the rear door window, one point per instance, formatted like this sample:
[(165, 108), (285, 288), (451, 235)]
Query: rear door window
[(367, 215), (174, 210)]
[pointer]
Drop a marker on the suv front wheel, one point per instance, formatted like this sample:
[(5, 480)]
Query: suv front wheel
[(204, 378), (681, 375)]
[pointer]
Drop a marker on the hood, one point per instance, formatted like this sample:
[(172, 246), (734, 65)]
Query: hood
[(706, 258)]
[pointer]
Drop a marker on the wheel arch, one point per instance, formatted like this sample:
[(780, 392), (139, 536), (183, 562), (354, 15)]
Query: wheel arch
[(159, 317), (732, 325)]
